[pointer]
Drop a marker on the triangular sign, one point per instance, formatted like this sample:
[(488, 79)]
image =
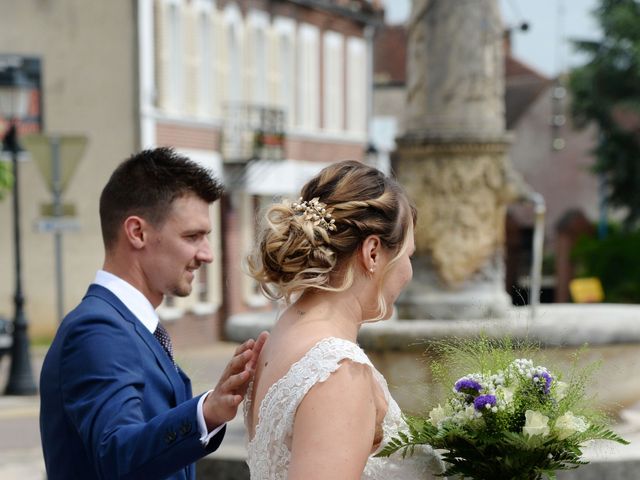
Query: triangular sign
[(71, 148)]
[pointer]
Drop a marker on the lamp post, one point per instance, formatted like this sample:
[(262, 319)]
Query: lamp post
[(14, 95)]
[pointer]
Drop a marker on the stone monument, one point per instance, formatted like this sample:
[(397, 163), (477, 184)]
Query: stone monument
[(453, 160)]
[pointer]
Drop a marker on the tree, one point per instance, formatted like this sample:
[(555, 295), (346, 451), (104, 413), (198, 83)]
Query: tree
[(606, 92)]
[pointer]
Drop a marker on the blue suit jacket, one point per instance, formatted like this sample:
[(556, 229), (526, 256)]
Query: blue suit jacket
[(112, 404)]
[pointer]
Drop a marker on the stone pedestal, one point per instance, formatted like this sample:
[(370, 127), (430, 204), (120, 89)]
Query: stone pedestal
[(461, 189), (452, 160)]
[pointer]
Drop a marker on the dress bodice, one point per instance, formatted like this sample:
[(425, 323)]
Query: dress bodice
[(268, 452)]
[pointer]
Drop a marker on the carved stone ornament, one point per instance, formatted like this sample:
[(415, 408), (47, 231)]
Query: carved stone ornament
[(461, 192)]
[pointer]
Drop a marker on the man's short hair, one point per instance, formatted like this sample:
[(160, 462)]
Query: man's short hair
[(146, 184)]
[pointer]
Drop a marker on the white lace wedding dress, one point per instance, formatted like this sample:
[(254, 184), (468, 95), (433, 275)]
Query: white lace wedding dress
[(268, 451)]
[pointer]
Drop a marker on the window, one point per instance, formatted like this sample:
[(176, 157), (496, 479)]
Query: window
[(206, 86), (235, 65), (259, 95), (175, 63), (308, 74), (251, 208), (257, 61), (356, 85), (333, 66), (283, 68), (287, 77)]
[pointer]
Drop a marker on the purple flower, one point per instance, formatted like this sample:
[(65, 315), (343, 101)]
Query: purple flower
[(466, 385), (484, 401), (544, 380)]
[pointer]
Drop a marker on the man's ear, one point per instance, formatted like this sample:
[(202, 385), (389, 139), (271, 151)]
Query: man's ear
[(370, 253), (135, 231)]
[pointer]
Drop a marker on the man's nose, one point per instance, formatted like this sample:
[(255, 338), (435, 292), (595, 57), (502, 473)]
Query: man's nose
[(205, 254)]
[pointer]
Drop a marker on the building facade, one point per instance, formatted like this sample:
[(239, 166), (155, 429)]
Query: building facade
[(264, 93), (88, 87)]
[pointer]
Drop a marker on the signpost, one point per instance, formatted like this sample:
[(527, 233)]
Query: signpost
[(57, 158)]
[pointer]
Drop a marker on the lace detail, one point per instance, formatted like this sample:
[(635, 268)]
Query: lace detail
[(269, 449)]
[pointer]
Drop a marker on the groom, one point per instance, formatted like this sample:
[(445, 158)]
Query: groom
[(114, 405)]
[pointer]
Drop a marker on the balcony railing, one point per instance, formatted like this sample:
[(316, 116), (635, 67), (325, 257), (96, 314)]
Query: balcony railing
[(252, 132)]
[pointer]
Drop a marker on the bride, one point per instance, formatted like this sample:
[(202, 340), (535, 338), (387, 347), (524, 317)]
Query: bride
[(339, 257)]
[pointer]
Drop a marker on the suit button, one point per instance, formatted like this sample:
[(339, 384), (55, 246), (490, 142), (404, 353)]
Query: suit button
[(170, 437), (185, 428)]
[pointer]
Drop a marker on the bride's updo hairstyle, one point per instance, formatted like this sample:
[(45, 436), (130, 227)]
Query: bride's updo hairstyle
[(309, 245)]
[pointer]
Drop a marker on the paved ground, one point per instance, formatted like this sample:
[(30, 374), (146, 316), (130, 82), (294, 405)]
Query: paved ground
[(21, 457), (20, 453)]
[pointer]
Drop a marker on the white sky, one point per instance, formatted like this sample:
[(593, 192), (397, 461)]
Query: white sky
[(552, 24)]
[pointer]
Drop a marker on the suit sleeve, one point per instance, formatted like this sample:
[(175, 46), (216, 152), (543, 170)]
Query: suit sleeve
[(105, 386)]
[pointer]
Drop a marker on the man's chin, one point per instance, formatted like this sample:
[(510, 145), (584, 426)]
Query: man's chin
[(182, 291)]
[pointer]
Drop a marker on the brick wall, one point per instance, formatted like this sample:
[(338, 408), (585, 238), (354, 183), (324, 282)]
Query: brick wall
[(187, 136), (322, 151)]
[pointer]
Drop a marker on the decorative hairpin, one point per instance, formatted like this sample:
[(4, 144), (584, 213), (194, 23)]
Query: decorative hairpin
[(315, 211)]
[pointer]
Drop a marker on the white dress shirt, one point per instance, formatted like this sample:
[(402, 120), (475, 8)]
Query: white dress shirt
[(144, 311)]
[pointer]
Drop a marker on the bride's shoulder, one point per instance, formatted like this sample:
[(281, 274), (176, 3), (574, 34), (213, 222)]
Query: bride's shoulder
[(332, 349), (298, 341)]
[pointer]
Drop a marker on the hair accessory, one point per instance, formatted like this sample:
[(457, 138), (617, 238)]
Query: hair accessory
[(315, 211)]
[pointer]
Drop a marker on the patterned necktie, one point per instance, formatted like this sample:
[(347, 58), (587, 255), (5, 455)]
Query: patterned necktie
[(162, 336)]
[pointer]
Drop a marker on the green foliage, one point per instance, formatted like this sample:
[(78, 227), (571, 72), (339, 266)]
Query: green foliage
[(6, 179), (492, 444), (615, 260), (458, 356), (606, 88)]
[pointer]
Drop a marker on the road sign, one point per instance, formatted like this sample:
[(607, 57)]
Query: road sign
[(69, 153), (57, 224), (66, 210)]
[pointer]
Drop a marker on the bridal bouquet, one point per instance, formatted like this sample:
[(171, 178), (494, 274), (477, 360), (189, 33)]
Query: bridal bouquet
[(508, 419)]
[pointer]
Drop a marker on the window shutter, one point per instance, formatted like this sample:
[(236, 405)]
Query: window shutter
[(356, 86), (162, 74), (213, 52), (309, 77), (333, 81), (247, 65), (274, 69), (191, 33), (222, 63)]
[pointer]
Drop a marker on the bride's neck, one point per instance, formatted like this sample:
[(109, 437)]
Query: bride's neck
[(339, 308)]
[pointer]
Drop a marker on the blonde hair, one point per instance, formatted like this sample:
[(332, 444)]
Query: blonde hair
[(294, 255)]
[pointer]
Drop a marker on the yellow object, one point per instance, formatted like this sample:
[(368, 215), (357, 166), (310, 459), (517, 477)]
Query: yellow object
[(586, 290)]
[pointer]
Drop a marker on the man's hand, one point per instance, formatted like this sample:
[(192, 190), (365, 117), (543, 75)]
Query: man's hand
[(221, 405)]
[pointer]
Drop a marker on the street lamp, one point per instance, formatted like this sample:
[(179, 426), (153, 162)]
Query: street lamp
[(15, 89)]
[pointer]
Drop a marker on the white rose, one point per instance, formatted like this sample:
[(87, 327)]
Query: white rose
[(437, 415), (470, 412), (561, 390), (568, 424), (535, 424), (505, 393)]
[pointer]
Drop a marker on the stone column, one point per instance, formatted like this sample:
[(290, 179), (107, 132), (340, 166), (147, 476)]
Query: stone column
[(453, 161)]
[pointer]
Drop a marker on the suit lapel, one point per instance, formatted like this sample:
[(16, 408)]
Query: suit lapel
[(163, 359), (179, 380)]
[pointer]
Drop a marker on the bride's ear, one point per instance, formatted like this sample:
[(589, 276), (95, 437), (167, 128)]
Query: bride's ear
[(370, 254)]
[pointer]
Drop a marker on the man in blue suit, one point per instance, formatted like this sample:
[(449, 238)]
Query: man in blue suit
[(114, 405)]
